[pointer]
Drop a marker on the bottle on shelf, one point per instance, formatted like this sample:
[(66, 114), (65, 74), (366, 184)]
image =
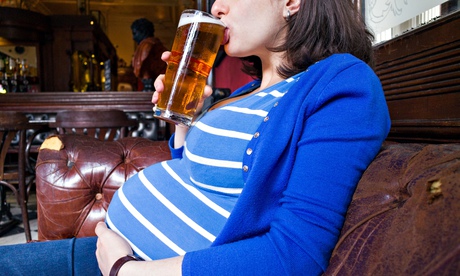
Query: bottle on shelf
[(23, 82), (2, 63), (4, 85), (13, 75)]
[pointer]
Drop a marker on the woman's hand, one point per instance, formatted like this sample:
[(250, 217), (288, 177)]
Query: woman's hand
[(110, 247), (180, 131), (160, 87), (159, 81)]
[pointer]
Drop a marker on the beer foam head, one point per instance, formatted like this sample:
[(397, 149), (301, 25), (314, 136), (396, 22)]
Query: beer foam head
[(198, 17)]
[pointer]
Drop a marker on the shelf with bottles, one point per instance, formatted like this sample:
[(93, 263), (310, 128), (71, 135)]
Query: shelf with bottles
[(16, 74)]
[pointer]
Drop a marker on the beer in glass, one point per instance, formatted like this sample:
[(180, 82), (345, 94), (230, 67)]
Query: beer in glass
[(194, 50)]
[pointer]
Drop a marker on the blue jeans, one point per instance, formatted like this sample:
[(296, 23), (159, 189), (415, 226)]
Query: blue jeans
[(60, 257)]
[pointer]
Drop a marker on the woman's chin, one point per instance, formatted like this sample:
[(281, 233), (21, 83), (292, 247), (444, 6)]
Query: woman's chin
[(232, 52)]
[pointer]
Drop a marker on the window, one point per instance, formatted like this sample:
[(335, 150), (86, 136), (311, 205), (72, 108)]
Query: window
[(390, 18)]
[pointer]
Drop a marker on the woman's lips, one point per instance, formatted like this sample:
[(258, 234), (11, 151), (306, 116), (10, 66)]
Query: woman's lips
[(225, 38)]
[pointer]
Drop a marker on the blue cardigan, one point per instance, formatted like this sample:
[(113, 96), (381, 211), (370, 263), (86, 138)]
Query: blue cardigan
[(306, 160)]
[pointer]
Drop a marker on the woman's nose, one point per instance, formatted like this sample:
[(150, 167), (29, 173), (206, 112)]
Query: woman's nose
[(218, 8)]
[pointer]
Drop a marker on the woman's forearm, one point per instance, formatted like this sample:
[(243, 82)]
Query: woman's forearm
[(179, 136)]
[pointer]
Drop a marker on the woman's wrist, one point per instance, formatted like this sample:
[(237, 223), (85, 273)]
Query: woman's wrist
[(120, 263)]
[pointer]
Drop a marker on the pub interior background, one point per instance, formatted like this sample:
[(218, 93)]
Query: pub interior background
[(58, 55)]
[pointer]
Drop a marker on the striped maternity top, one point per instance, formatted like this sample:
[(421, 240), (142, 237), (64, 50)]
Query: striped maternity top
[(181, 205)]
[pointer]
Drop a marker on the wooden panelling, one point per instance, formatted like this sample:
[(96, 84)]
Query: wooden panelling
[(420, 74)]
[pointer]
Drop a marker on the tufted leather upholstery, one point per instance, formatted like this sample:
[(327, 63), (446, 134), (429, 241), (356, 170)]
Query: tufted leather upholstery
[(403, 220), (75, 184)]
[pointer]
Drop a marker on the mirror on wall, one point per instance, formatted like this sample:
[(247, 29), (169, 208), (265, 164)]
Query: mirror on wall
[(18, 69)]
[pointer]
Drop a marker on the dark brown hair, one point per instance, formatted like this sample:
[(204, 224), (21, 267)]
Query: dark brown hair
[(319, 29), (144, 26)]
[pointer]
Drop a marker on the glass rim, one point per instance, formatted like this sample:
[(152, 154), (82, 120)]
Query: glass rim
[(201, 14)]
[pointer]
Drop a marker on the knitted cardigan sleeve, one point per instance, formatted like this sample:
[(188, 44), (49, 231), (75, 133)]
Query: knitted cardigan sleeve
[(306, 160)]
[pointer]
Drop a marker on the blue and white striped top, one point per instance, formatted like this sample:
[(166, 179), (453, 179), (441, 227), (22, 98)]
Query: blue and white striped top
[(181, 205)]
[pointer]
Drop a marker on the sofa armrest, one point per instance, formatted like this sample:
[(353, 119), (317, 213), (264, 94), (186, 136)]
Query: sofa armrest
[(404, 216), (77, 176)]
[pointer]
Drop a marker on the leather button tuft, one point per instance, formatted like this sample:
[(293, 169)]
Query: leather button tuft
[(98, 196), (70, 164)]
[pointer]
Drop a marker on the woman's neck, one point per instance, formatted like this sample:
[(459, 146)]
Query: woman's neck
[(270, 74)]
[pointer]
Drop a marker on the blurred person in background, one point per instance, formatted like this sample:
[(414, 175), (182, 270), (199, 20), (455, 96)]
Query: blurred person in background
[(147, 61)]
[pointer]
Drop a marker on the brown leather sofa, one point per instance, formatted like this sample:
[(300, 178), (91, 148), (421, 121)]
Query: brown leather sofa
[(404, 218)]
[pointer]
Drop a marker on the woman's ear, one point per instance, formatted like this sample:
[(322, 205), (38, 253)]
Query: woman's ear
[(292, 6)]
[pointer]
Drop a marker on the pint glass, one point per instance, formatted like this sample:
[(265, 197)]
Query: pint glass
[(194, 50)]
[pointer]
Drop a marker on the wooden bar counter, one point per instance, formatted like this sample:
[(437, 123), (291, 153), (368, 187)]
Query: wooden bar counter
[(52, 102)]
